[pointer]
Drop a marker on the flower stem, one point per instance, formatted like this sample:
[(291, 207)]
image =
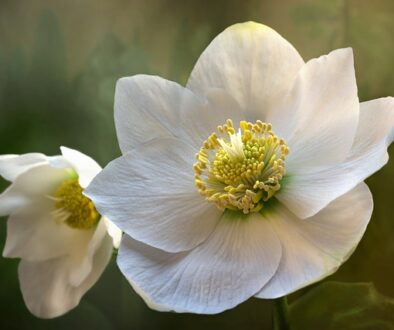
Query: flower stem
[(281, 314)]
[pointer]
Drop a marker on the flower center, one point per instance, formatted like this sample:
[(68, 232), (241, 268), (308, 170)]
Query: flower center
[(73, 208), (241, 170)]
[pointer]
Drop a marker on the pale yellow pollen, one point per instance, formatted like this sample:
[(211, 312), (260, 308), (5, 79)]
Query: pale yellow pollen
[(241, 170), (72, 207)]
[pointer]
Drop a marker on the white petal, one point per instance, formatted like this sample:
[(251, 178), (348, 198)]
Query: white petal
[(150, 304), (35, 235), (11, 166), (11, 200), (83, 254), (200, 123), (86, 167), (45, 285), (240, 256), (148, 107), (316, 247), (374, 134), (59, 161), (113, 231), (38, 181), (307, 193), (150, 194), (253, 63), (320, 116)]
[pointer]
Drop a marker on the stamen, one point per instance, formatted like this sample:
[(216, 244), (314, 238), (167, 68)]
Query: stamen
[(72, 207), (241, 170)]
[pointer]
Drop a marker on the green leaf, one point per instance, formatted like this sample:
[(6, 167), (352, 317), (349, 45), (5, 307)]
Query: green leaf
[(336, 305)]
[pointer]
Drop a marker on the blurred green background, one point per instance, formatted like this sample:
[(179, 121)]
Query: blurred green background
[(59, 61)]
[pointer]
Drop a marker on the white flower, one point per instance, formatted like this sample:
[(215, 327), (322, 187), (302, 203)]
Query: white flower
[(63, 242), (282, 202)]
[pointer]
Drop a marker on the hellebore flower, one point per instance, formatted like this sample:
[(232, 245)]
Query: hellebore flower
[(63, 241), (246, 182)]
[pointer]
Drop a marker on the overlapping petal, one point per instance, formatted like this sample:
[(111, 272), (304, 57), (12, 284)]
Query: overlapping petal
[(46, 286), (252, 63), (39, 181), (318, 119), (82, 255), (200, 123), (150, 194), (148, 107), (240, 256), (307, 193), (113, 231), (34, 234), (316, 247), (11, 166), (86, 167)]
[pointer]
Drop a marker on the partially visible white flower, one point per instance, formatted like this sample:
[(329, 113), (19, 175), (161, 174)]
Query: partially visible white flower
[(63, 242), (282, 150)]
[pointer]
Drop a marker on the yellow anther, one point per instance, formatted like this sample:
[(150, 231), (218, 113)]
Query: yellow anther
[(73, 208), (241, 170), (230, 130), (247, 135)]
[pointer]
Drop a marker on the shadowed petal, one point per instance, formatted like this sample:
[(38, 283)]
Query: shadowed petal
[(46, 287), (34, 234), (41, 180), (148, 107), (307, 193), (86, 167), (149, 193), (11, 166), (319, 118), (240, 256), (314, 248)]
